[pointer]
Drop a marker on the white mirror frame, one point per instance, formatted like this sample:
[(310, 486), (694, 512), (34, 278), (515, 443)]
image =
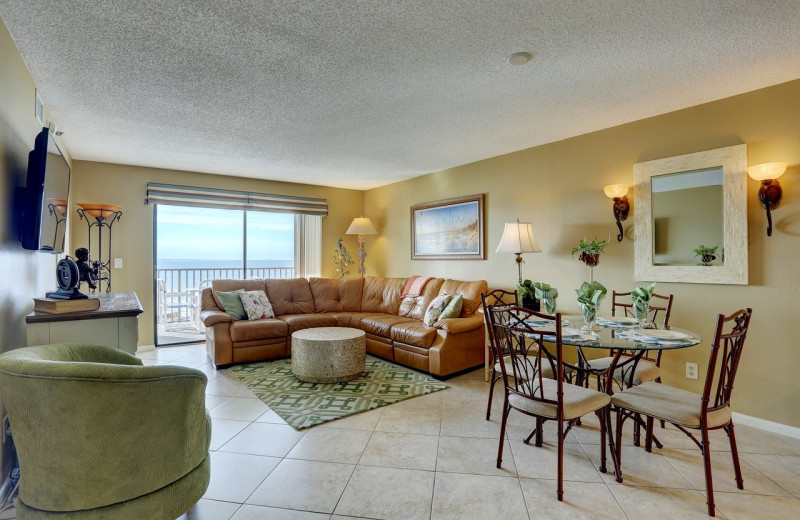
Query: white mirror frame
[(733, 160)]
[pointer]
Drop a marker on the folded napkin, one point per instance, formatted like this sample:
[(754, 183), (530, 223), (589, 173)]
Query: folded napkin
[(414, 286)]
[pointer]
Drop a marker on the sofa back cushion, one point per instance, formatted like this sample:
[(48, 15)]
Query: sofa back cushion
[(332, 295), (290, 296), (382, 294), (234, 285), (469, 291), (414, 307)]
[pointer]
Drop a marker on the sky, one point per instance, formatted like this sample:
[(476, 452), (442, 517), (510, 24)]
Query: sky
[(216, 234)]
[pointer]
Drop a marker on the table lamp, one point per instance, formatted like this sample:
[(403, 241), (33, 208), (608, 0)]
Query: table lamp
[(518, 238), (361, 226)]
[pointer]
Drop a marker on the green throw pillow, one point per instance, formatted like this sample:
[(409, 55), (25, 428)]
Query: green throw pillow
[(453, 309), (232, 304)]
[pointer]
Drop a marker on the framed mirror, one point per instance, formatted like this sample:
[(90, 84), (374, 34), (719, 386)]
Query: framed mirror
[(691, 217)]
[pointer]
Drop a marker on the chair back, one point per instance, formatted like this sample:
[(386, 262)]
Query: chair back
[(726, 350), (523, 344), (620, 301), (497, 297)]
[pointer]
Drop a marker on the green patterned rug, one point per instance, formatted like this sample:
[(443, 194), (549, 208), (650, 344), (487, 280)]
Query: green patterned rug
[(304, 405)]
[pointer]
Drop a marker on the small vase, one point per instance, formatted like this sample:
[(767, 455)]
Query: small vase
[(530, 303), (641, 311), (549, 303), (707, 259), (589, 311), (590, 260)]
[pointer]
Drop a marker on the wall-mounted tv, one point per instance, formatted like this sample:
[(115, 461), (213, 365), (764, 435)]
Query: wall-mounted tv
[(44, 204)]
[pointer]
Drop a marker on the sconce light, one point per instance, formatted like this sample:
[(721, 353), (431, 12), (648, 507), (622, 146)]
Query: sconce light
[(770, 191), (617, 192)]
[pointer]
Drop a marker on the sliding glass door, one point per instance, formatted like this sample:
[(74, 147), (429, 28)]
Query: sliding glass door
[(194, 246)]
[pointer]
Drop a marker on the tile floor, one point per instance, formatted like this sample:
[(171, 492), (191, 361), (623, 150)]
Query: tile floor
[(433, 457)]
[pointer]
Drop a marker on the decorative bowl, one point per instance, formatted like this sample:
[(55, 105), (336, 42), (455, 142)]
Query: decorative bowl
[(60, 205), (100, 210)]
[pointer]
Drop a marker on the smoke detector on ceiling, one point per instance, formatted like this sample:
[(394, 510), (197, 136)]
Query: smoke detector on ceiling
[(519, 58)]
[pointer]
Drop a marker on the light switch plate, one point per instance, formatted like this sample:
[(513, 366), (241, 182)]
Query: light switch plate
[(118, 263)]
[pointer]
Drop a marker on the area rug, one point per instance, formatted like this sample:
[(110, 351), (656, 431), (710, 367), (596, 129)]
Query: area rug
[(303, 405)]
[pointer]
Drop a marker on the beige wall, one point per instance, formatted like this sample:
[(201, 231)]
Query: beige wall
[(558, 187), (24, 274), (133, 234)]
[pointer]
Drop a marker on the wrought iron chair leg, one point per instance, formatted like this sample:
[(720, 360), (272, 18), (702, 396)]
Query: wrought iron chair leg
[(560, 491), (706, 449), (539, 432), (493, 380), (601, 413), (648, 436), (735, 454), (637, 430), (618, 461), (506, 410)]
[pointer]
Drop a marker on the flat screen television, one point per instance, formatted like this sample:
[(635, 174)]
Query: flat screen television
[(44, 205)]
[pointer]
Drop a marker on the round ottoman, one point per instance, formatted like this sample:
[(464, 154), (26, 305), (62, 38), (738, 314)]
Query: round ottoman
[(328, 354)]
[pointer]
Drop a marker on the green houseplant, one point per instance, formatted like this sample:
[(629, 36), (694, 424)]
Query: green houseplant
[(526, 296), (547, 295), (590, 250), (706, 254), (342, 259)]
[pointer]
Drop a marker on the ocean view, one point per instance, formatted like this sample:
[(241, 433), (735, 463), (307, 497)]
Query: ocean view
[(184, 263)]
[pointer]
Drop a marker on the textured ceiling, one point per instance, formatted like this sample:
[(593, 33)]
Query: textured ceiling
[(363, 93)]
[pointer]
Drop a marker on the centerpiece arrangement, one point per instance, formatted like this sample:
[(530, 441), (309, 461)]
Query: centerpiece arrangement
[(640, 297), (589, 297), (526, 296), (547, 295)]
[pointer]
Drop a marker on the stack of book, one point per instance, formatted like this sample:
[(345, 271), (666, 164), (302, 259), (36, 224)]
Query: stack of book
[(50, 306)]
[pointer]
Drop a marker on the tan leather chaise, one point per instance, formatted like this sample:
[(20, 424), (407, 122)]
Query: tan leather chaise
[(393, 325)]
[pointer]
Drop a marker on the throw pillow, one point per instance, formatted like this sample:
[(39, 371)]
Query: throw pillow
[(231, 304), (256, 304), (435, 309), (453, 309)]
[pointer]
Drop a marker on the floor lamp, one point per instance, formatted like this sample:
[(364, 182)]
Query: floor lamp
[(518, 238), (361, 226)]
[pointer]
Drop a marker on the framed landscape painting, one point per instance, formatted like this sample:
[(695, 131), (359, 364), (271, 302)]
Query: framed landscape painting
[(449, 229)]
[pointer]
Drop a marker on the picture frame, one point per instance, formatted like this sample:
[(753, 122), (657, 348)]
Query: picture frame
[(450, 229)]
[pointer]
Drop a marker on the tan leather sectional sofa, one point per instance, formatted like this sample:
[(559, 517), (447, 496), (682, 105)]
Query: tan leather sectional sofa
[(393, 325)]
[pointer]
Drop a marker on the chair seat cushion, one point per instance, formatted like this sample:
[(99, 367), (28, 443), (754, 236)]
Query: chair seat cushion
[(645, 370), (670, 404), (578, 401), (547, 370)]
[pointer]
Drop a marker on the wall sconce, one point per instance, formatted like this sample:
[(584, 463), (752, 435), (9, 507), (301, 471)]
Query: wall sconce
[(617, 192), (770, 191)]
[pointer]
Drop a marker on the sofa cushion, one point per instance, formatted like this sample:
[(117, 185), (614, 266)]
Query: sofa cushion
[(261, 329), (306, 321), (435, 309), (234, 285), (232, 304), (381, 324), (342, 295), (414, 306), (470, 291), (453, 309), (414, 333), (290, 296), (256, 304), (382, 295)]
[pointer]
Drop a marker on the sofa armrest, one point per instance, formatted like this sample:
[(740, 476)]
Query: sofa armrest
[(458, 325), (211, 318)]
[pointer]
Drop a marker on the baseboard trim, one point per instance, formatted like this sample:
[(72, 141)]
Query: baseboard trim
[(145, 348), (763, 424)]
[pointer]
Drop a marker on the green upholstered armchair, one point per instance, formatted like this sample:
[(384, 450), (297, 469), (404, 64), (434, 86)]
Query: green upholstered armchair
[(100, 436)]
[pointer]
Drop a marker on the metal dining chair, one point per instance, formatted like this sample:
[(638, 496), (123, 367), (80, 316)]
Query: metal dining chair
[(529, 391), (688, 410), (497, 297)]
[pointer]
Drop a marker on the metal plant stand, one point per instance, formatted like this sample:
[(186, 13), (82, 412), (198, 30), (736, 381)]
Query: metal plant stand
[(106, 219)]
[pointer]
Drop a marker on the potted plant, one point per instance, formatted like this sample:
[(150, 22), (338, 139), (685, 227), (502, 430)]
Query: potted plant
[(590, 250), (342, 259), (706, 254), (640, 298), (589, 296), (526, 296), (546, 295)]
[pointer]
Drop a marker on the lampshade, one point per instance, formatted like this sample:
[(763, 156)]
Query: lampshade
[(518, 238), (771, 170), (361, 226), (615, 191)]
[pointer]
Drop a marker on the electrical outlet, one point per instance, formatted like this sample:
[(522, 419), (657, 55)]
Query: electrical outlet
[(118, 263), (691, 370)]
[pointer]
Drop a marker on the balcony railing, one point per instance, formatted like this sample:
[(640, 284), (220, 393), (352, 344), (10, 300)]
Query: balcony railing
[(179, 290)]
